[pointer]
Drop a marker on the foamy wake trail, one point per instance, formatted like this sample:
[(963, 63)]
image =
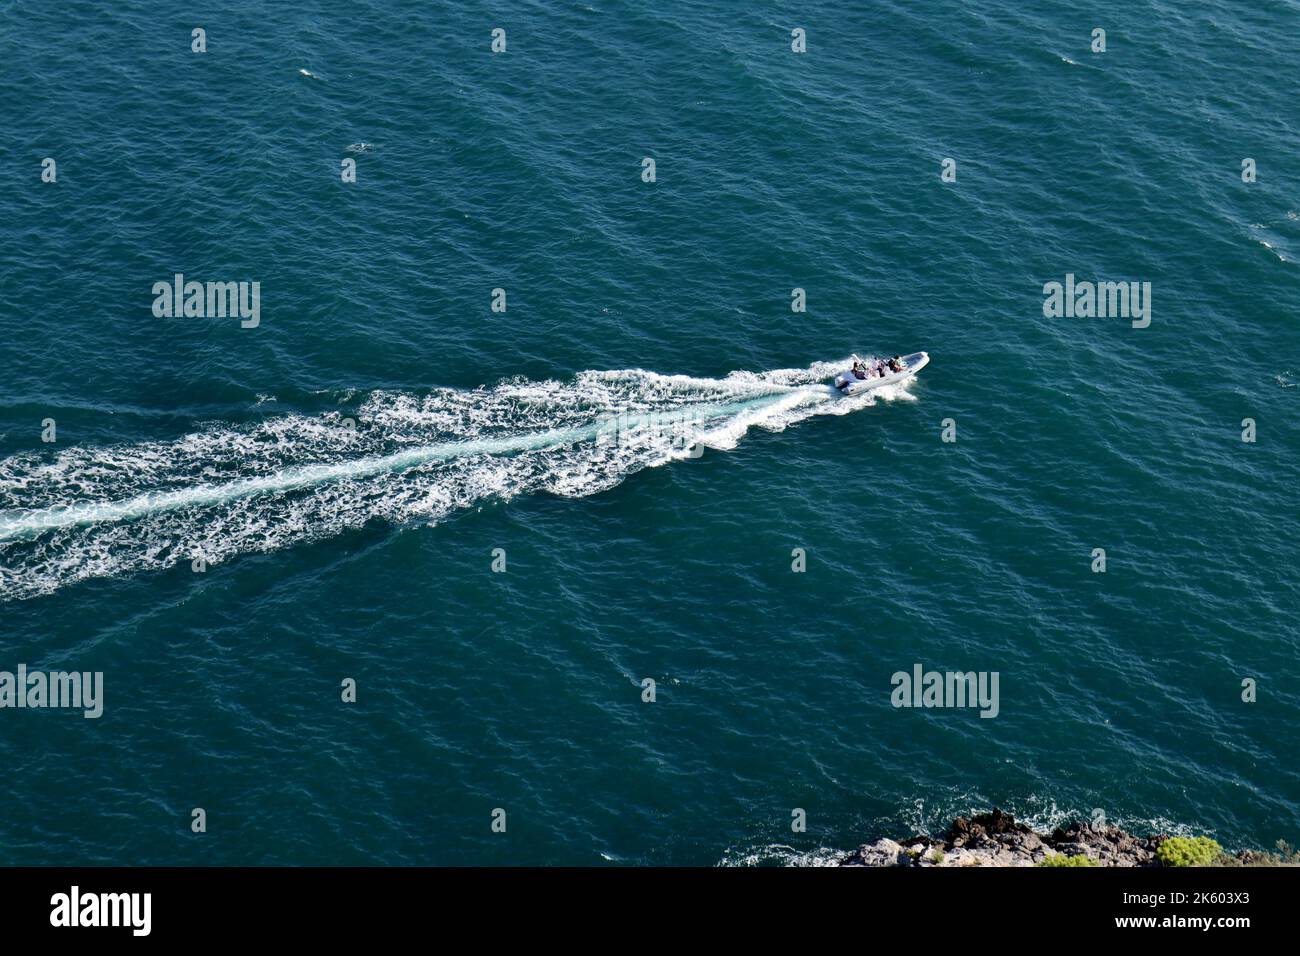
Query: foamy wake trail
[(399, 458)]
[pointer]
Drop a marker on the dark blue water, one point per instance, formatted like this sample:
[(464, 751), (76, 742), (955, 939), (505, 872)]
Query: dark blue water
[(346, 469)]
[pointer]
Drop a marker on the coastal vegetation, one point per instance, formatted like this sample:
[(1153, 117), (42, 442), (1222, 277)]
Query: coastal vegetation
[(998, 839), (1188, 851)]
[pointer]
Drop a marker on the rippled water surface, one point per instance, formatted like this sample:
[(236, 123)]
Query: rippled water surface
[(346, 471)]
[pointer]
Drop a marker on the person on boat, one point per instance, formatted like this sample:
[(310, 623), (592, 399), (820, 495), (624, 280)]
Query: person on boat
[(895, 364), (859, 368)]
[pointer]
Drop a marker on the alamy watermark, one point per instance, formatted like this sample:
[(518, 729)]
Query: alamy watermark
[(677, 428), (75, 908), (1102, 300), (39, 689), (922, 688), (208, 300)]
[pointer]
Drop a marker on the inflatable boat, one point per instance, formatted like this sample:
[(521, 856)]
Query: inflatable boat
[(854, 382)]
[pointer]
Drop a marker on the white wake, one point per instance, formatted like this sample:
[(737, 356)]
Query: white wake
[(399, 457)]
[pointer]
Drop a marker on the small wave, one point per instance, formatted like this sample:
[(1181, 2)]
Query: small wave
[(1270, 243), (778, 854)]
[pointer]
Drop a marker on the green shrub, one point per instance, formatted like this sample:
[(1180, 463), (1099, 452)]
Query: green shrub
[(1188, 851), (1286, 855), (1060, 859)]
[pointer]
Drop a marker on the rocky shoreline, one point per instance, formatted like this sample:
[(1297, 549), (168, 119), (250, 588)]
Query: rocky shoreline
[(997, 839)]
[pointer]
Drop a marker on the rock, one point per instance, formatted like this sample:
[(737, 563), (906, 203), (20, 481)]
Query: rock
[(1030, 842), (880, 853), (998, 839), (999, 822)]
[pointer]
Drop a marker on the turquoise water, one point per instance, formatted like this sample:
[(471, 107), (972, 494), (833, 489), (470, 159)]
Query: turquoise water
[(348, 467)]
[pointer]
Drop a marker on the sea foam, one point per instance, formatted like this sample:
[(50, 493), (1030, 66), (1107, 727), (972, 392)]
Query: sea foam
[(399, 457)]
